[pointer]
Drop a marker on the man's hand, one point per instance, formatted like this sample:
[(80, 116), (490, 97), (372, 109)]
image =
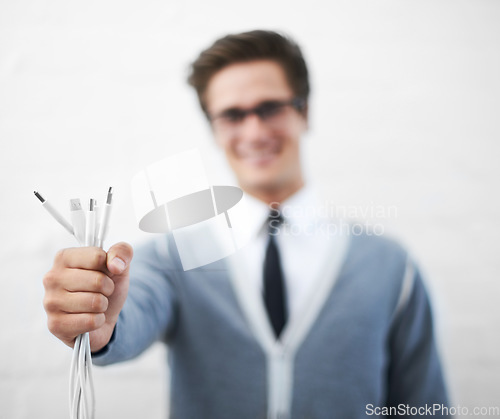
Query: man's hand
[(85, 291)]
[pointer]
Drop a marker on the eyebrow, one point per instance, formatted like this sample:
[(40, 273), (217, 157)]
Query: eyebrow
[(241, 109)]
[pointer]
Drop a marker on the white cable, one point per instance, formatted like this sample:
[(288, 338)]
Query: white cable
[(103, 225), (55, 214), (90, 377), (90, 224), (82, 394), (82, 376), (89, 230), (81, 389), (77, 217), (73, 372), (97, 211)]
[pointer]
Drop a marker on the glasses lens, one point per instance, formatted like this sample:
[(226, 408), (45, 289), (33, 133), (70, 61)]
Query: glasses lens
[(267, 110), (270, 111), (233, 116)]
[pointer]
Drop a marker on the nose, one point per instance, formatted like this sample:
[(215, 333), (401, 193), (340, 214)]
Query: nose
[(253, 129)]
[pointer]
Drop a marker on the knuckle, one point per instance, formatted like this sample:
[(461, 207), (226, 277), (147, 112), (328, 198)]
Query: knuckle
[(50, 304), (48, 280), (60, 255), (54, 325)]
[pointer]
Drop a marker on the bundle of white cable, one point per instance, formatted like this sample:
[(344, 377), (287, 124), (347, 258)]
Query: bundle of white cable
[(89, 231), (81, 383)]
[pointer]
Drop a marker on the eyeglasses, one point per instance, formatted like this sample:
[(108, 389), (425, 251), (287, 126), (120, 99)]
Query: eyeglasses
[(267, 111)]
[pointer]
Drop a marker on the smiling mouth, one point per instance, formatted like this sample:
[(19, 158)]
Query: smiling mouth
[(259, 156)]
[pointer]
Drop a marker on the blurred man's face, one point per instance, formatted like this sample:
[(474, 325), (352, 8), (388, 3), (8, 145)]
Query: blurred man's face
[(259, 128)]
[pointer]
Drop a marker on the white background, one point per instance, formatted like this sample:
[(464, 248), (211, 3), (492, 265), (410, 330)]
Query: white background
[(404, 112)]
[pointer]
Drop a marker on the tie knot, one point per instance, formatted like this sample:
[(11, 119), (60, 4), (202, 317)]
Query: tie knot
[(274, 221)]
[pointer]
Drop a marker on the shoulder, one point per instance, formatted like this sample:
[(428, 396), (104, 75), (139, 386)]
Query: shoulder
[(376, 248)]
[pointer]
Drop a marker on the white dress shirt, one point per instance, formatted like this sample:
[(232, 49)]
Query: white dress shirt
[(303, 243)]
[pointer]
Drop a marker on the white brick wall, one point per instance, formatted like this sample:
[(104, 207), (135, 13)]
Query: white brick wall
[(404, 113)]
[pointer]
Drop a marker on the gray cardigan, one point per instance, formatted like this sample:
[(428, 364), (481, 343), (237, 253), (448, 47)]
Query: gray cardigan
[(365, 340)]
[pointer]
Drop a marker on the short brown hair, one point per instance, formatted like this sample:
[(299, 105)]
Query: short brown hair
[(250, 46)]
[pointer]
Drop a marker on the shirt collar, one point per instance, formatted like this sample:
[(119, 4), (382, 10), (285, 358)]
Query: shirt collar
[(299, 209), (258, 212)]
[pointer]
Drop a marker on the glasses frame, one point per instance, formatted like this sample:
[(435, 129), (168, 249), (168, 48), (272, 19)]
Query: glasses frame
[(236, 116)]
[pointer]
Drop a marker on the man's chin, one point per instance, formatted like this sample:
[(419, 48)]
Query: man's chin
[(256, 185), (260, 177)]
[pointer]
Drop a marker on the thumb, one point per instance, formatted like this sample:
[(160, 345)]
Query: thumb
[(119, 258)]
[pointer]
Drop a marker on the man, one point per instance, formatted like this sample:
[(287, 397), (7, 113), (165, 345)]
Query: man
[(302, 325)]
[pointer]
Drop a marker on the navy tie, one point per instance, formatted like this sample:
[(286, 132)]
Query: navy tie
[(274, 286)]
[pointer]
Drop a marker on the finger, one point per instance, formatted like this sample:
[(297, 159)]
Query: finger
[(74, 280), (67, 326), (92, 258), (119, 258), (79, 280), (75, 302)]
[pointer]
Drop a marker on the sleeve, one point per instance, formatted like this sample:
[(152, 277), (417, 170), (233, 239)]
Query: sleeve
[(149, 313), (415, 374)]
